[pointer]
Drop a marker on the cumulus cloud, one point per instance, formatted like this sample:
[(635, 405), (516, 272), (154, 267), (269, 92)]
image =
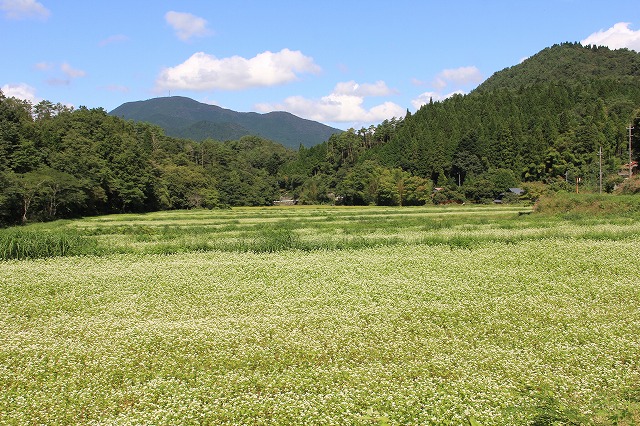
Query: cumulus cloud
[(57, 81), (71, 72), (616, 37), (418, 82), (20, 91), (458, 76), (187, 25), (379, 88), (118, 38), (44, 66), (68, 73), (456, 79), (427, 97), (206, 72), (345, 104), (24, 9)]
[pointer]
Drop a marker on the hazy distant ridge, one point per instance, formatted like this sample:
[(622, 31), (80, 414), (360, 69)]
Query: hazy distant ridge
[(185, 118)]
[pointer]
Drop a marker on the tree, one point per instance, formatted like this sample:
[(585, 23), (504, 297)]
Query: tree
[(189, 187), (61, 190), (360, 185), (388, 193), (15, 117), (465, 163), (392, 187), (417, 191), (315, 189), (29, 186)]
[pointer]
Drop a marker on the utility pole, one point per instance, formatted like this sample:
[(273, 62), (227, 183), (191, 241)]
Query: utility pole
[(630, 128), (600, 155)]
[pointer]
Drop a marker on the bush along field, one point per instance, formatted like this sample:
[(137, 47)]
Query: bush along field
[(431, 315)]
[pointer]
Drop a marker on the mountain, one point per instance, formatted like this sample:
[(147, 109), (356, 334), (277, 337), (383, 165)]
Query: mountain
[(185, 118), (546, 119), (556, 121), (567, 63)]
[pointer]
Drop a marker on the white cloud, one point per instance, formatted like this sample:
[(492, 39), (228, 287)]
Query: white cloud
[(206, 72), (616, 37), (71, 72), (56, 81), (187, 25), (418, 82), (118, 38), (427, 97), (24, 9), (343, 105), (44, 66), (458, 76), (379, 88), (20, 91)]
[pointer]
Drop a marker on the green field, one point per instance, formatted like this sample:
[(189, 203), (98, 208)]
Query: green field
[(324, 316)]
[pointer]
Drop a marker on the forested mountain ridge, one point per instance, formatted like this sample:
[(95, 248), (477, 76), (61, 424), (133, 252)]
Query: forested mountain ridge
[(186, 118), (541, 121), (567, 62), (532, 130)]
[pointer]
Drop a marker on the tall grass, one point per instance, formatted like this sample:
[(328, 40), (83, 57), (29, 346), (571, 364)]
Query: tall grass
[(19, 243), (263, 231), (575, 205)]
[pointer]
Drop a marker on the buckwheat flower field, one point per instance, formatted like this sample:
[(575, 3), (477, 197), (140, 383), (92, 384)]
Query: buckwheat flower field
[(326, 316)]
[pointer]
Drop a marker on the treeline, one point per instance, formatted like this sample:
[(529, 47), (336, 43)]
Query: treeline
[(56, 162), (541, 134), (541, 130)]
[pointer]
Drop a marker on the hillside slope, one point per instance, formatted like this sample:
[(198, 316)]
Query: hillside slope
[(545, 120), (185, 118), (568, 63)]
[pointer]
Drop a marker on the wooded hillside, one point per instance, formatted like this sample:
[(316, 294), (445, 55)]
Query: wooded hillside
[(188, 119), (541, 121), (539, 124)]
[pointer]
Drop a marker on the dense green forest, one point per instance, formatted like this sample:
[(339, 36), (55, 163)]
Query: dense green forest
[(539, 125), (542, 121), (57, 162)]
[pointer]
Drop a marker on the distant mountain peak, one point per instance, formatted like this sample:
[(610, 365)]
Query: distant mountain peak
[(184, 117)]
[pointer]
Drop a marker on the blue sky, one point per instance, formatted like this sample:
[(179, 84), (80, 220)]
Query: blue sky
[(347, 63)]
